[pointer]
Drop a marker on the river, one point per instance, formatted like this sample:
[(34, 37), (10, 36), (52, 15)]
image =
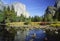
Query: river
[(25, 34), (30, 35), (35, 35)]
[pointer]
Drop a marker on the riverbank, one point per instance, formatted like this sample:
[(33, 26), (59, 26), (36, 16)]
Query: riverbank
[(20, 32)]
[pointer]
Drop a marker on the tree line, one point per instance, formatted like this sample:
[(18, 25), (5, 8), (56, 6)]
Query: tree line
[(9, 15)]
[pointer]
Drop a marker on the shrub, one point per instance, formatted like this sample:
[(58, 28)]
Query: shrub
[(26, 23)]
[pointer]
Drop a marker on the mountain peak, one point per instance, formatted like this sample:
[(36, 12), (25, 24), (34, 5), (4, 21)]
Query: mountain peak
[(57, 4)]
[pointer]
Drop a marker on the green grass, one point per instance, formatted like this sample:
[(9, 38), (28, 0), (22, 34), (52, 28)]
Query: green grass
[(22, 23), (55, 25), (32, 24)]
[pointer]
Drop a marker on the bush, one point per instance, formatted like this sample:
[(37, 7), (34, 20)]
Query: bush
[(26, 23)]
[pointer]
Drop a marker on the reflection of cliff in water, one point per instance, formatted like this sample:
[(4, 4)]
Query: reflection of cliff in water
[(28, 35), (21, 35)]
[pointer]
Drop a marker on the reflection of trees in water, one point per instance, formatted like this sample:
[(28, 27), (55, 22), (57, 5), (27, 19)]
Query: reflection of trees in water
[(6, 35), (53, 35), (9, 33)]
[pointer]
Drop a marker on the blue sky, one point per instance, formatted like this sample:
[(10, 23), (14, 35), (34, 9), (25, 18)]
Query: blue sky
[(34, 7)]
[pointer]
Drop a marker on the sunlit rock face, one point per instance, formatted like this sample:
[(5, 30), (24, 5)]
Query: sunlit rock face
[(20, 9), (1, 5)]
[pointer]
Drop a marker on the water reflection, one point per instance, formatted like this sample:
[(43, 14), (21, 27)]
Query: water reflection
[(29, 35), (21, 35), (35, 35)]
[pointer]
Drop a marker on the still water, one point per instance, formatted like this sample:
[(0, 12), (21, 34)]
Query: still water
[(35, 35), (30, 35)]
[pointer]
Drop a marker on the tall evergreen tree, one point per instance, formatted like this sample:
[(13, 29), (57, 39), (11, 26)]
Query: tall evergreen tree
[(9, 14)]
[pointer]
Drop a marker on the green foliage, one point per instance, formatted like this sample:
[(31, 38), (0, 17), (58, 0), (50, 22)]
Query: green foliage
[(55, 24), (48, 18), (1, 17), (26, 23), (22, 18), (17, 19), (57, 15), (32, 19), (36, 19), (9, 14), (45, 19)]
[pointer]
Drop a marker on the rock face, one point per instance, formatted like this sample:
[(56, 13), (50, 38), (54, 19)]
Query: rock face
[(51, 10), (58, 4), (20, 9), (1, 5), (54, 11)]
